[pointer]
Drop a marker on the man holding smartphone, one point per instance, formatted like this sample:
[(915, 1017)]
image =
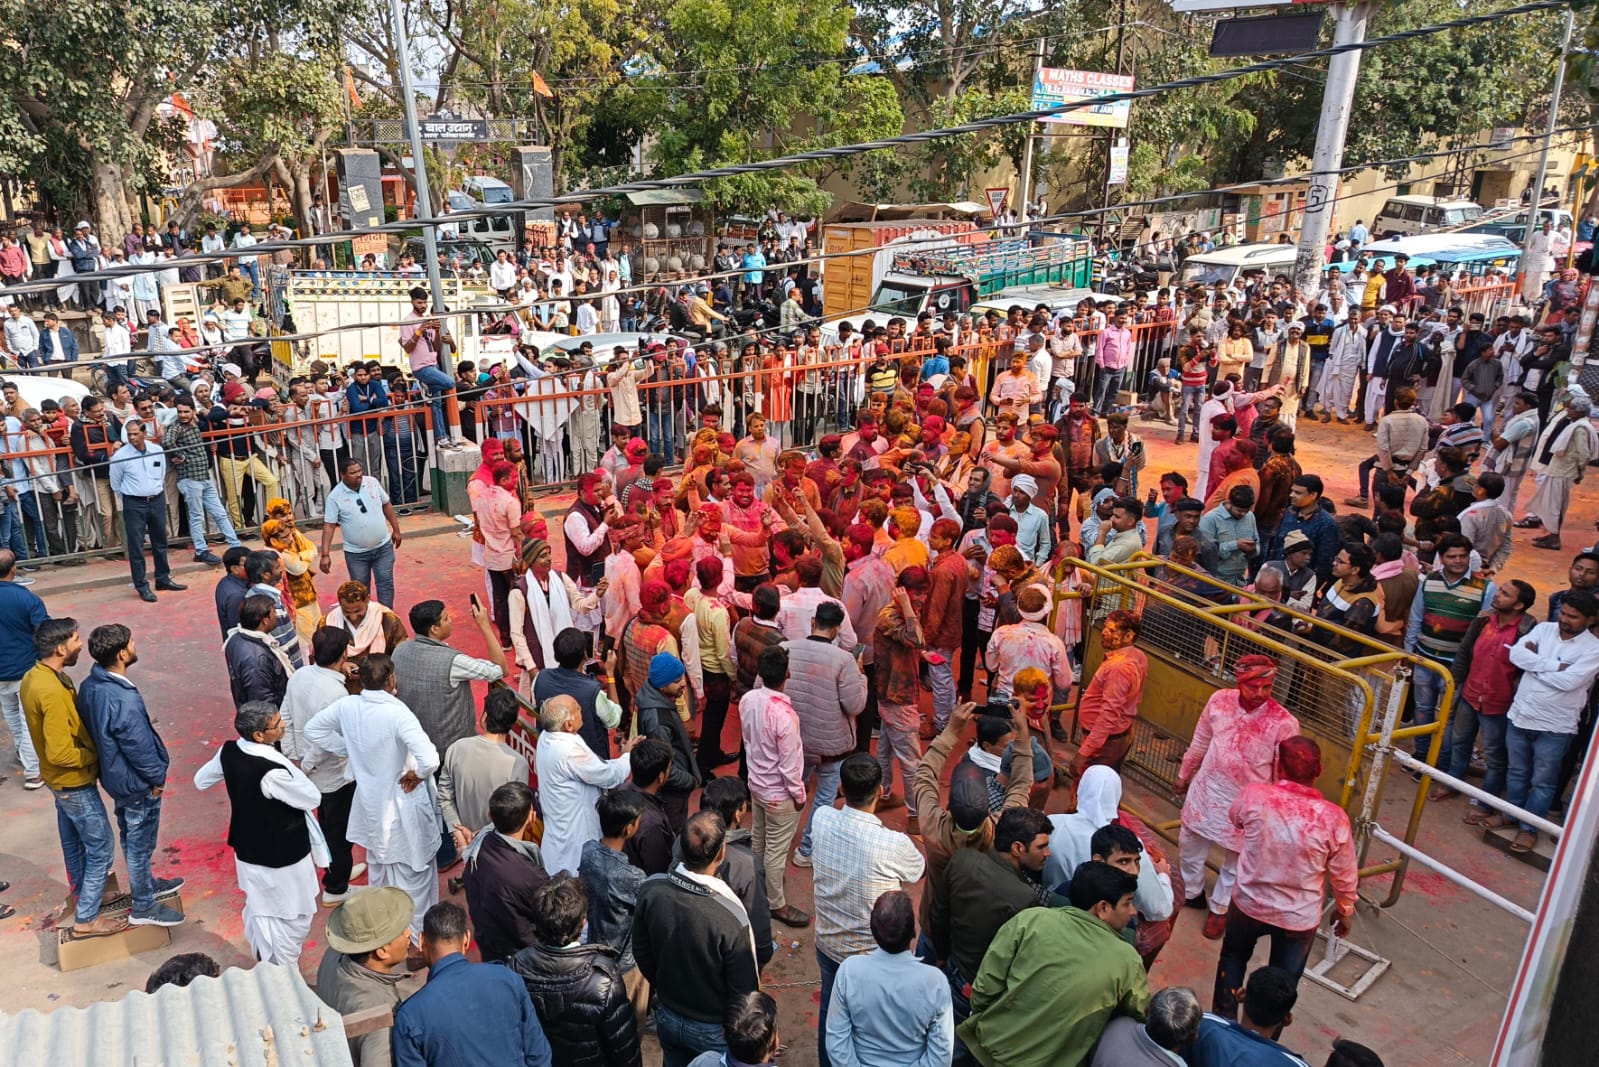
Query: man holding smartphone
[(424, 339)]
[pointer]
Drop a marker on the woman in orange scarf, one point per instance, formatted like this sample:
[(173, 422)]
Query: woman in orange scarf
[(299, 557)]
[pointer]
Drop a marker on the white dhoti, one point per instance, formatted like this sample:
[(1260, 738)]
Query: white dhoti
[(279, 904), (1376, 396), (422, 886), (1193, 850), (1550, 502)]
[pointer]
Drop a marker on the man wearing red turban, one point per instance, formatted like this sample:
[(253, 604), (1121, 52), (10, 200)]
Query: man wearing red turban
[(1235, 744)]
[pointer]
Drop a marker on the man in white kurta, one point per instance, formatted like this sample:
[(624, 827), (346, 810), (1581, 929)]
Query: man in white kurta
[(1536, 263), (1235, 743), (395, 814), (279, 902), (571, 778)]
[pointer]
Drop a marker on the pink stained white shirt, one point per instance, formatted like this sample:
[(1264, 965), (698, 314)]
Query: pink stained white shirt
[(498, 515), (772, 746), (1026, 644), (1293, 840), (1231, 748)]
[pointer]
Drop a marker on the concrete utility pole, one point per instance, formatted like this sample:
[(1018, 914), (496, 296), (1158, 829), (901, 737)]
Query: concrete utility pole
[(1549, 136), (1023, 210), (1337, 100)]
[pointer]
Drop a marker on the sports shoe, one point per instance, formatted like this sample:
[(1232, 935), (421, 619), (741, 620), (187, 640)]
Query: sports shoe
[(33, 783), (22, 580), (163, 886), (210, 558), (160, 915), (357, 871), (802, 860), (331, 899)]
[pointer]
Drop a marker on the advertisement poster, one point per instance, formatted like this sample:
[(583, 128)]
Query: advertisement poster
[(1053, 86)]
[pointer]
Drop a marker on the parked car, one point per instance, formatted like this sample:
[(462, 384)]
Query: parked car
[(1403, 215)]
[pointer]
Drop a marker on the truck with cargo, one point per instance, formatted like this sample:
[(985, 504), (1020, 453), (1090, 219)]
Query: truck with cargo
[(355, 315), (859, 254), (957, 277)]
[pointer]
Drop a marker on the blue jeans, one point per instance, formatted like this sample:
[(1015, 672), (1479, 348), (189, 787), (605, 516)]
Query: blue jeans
[(251, 269), (1188, 405), (374, 569), (28, 501), (1535, 757), (1105, 389), (826, 793), (86, 845), (11, 529), (658, 431), (201, 497), (400, 451), (683, 1038), (17, 723), (1427, 686), (1464, 728), (139, 821), (829, 969), (941, 680), (437, 383)]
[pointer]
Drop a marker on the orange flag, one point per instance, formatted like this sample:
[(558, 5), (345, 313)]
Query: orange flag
[(349, 88), (540, 87)]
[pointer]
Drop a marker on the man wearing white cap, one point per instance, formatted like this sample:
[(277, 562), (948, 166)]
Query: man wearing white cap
[(1384, 341), (1292, 360)]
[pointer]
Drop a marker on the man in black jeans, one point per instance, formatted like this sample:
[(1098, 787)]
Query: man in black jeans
[(138, 476)]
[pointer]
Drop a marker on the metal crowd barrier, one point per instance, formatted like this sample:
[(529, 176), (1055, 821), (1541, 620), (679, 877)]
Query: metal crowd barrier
[(1196, 627)]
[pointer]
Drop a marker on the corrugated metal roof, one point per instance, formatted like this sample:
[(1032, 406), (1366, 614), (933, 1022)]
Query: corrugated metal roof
[(262, 1017), (665, 197)]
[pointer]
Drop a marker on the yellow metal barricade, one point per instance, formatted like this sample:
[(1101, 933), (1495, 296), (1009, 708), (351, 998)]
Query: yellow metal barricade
[(1194, 630)]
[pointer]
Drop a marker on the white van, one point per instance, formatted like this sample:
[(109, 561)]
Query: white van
[(1228, 265), (1403, 215)]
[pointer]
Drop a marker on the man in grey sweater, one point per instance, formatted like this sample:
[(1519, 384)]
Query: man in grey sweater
[(474, 767), (828, 690)]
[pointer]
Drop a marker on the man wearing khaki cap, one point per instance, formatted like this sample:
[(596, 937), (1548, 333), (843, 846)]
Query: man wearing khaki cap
[(368, 935)]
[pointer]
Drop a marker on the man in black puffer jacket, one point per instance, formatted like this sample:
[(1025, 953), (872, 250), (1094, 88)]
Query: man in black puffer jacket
[(576, 989)]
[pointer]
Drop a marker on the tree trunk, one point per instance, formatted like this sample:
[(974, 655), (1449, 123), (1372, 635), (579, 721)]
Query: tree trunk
[(112, 216)]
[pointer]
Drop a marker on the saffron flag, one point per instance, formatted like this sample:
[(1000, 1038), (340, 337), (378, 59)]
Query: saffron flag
[(540, 87), (349, 88)]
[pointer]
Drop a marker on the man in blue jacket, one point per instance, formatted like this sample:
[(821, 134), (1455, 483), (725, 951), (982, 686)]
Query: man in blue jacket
[(133, 766), (21, 612), (467, 1013)]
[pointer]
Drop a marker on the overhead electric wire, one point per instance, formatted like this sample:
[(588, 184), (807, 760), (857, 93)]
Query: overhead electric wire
[(837, 152), (502, 308)]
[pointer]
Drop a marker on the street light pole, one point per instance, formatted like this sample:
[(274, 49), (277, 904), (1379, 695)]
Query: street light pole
[(424, 207), (1343, 70)]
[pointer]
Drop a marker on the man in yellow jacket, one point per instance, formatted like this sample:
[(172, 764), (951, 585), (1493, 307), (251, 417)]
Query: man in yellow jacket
[(70, 767)]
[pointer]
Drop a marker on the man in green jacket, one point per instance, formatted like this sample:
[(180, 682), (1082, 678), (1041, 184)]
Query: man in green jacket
[(1054, 977)]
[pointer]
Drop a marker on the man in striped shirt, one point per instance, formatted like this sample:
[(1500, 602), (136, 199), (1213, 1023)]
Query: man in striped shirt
[(1440, 615)]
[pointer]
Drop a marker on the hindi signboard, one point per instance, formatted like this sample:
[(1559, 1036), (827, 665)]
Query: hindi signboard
[(445, 126), (1053, 86), (1118, 163)]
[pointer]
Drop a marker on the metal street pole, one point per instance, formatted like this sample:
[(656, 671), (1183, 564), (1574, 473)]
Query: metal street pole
[(424, 206), (1337, 100), (1027, 149), (1549, 132)]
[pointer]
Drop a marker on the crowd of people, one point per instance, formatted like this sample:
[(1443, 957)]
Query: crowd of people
[(738, 670)]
